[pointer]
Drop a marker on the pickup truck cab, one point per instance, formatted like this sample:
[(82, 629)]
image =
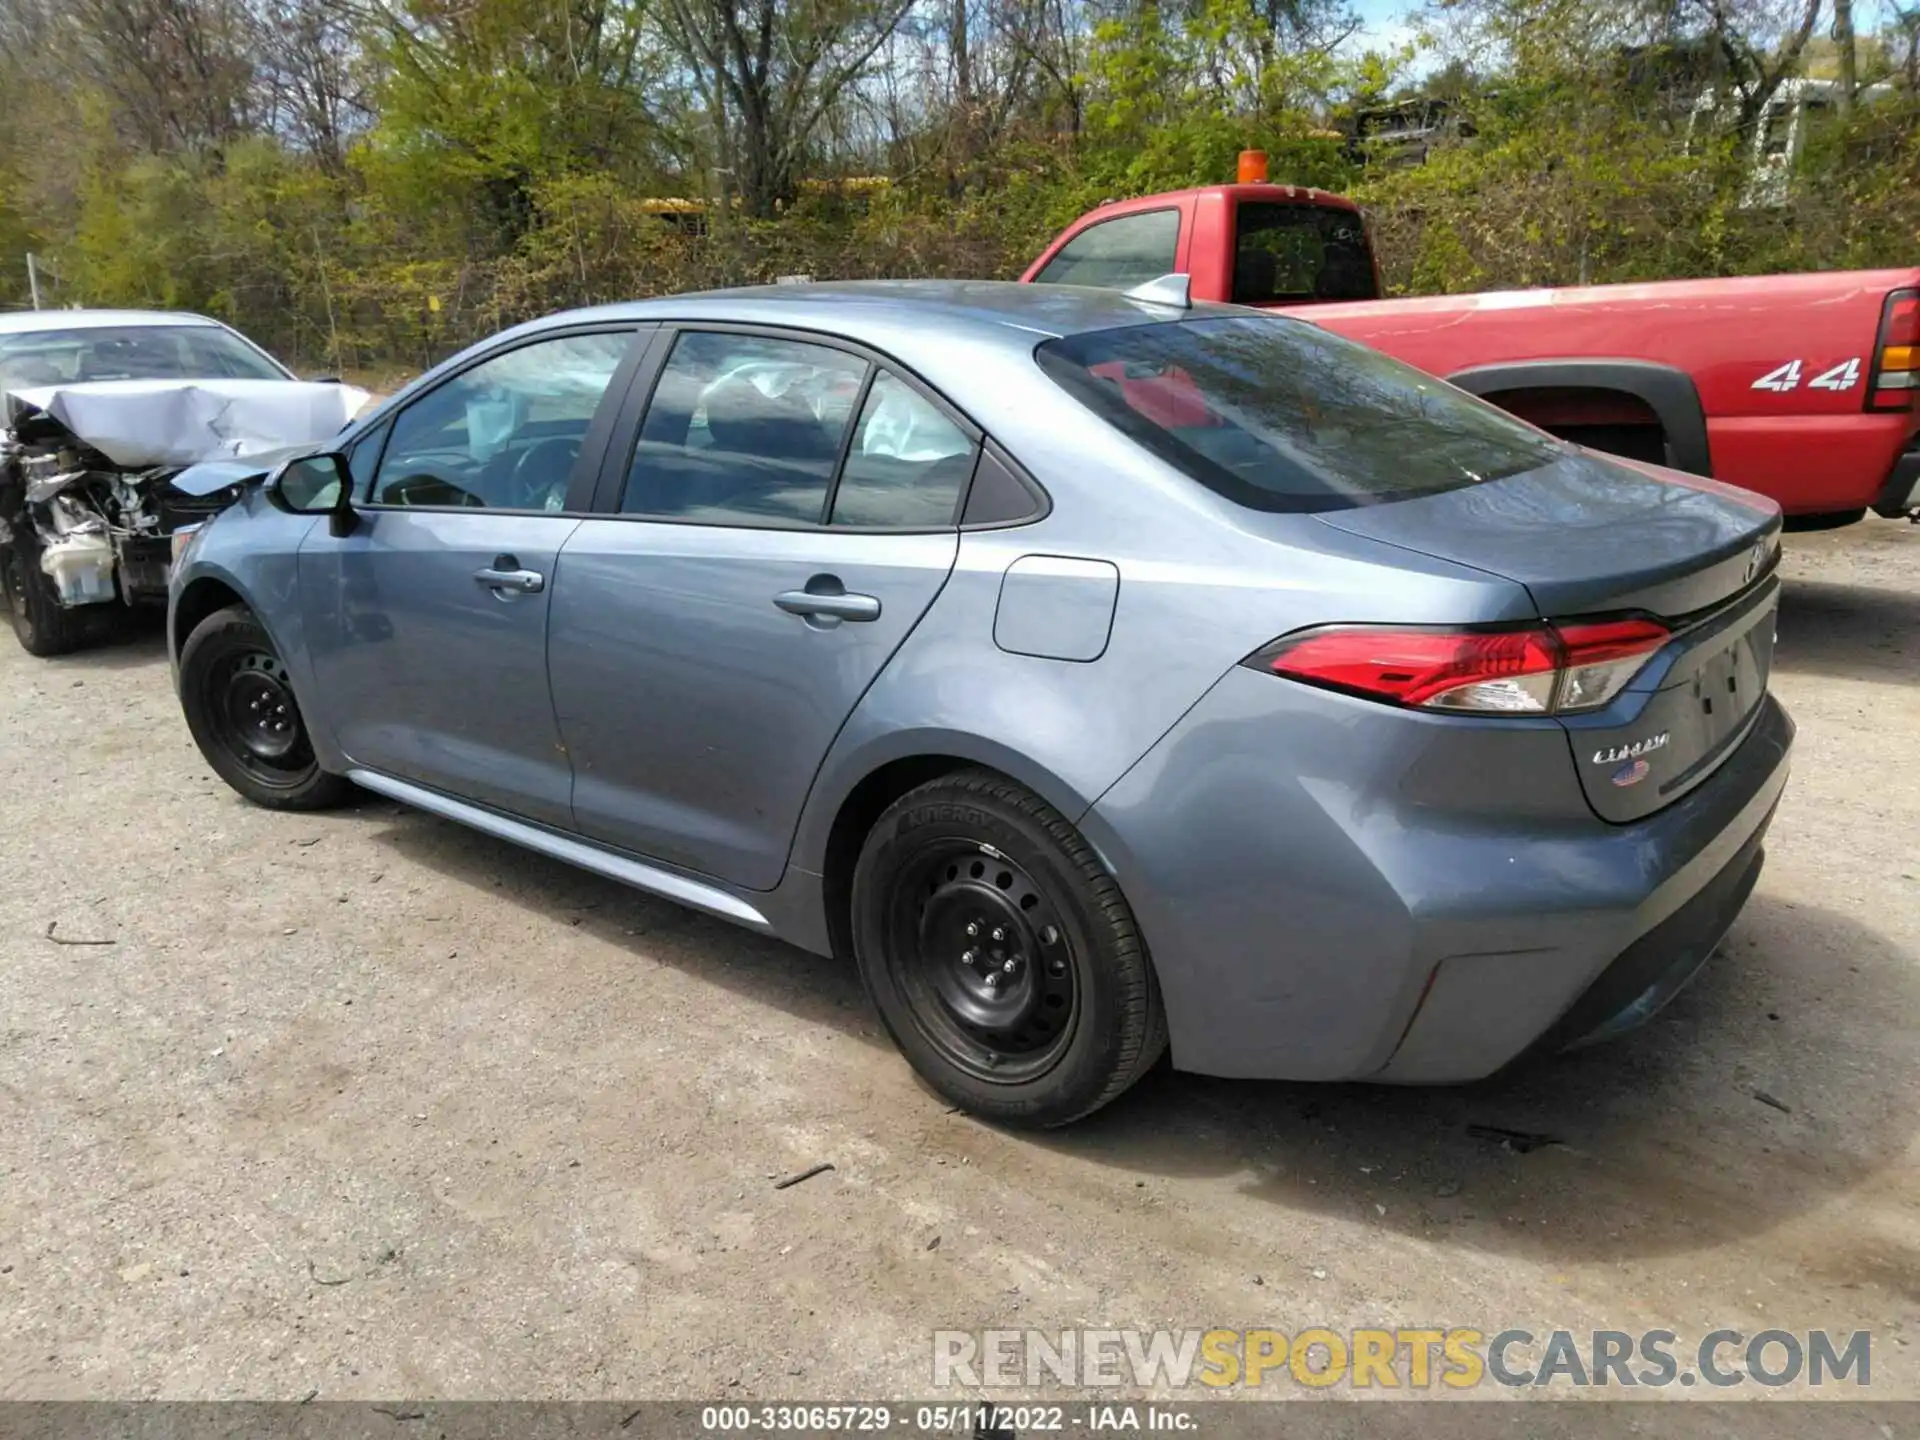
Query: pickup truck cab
[(1805, 388)]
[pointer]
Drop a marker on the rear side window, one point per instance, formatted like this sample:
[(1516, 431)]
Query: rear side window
[(908, 463), (1117, 254), (1300, 252), (1276, 414), (743, 430)]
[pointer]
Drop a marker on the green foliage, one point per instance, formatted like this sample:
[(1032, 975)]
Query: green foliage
[(513, 156), (1176, 98)]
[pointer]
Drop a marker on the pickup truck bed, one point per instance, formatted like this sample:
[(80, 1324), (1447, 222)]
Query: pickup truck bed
[(1759, 381)]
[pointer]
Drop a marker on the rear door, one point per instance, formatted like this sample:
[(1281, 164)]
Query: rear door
[(785, 517), (427, 625)]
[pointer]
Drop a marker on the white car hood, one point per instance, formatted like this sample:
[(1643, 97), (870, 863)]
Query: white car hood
[(142, 423)]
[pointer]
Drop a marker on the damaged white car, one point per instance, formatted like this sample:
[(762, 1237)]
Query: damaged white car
[(102, 408)]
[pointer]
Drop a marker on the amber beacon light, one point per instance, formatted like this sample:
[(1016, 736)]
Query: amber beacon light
[(1253, 167)]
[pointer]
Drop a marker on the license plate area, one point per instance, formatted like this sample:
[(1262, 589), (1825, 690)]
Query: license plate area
[(1649, 749)]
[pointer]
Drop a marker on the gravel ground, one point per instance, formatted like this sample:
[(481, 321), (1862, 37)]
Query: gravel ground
[(366, 1105)]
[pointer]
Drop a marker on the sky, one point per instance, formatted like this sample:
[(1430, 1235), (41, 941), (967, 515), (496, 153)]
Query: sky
[(1383, 24)]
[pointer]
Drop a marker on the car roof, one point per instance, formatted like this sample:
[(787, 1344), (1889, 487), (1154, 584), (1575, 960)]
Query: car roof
[(19, 322), (957, 335), (879, 311)]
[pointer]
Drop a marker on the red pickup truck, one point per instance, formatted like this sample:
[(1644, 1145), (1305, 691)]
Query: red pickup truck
[(1805, 388)]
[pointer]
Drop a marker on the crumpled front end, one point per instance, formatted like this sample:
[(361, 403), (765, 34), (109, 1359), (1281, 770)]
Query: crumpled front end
[(86, 471), (98, 532)]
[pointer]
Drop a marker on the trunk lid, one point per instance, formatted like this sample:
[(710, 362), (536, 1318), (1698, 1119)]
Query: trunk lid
[(1590, 536)]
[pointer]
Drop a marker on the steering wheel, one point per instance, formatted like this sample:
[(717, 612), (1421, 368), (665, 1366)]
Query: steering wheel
[(427, 482), (543, 473)]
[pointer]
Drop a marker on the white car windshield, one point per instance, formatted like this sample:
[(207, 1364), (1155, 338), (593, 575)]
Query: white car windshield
[(129, 352)]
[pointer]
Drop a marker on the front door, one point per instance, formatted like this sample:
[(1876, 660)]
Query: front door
[(429, 622), (788, 516)]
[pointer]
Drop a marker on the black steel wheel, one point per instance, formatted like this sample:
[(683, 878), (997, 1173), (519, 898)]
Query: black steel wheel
[(240, 706), (975, 946), (255, 716), (1001, 955)]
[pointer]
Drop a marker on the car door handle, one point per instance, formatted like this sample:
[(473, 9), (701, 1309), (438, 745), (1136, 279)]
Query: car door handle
[(818, 601), (497, 578)]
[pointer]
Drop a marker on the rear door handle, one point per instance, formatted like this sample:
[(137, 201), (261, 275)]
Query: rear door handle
[(505, 574), (825, 598)]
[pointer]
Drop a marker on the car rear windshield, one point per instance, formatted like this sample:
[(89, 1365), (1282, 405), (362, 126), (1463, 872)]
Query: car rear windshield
[(131, 352), (1276, 414), (1285, 253)]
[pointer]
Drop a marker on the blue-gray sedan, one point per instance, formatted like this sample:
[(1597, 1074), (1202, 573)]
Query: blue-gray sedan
[(1107, 676)]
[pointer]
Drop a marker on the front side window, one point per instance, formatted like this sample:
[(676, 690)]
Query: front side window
[(1300, 252), (363, 458), (907, 465), (1276, 414), (743, 430), (1117, 254), (503, 435)]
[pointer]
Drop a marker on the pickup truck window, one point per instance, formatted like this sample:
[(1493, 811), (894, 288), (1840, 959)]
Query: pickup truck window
[(1117, 254), (1288, 253), (1275, 414)]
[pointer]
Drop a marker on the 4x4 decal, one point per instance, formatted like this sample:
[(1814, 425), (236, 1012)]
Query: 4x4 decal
[(1783, 378)]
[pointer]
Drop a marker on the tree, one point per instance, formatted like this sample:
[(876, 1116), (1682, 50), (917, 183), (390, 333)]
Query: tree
[(1762, 42), (773, 69)]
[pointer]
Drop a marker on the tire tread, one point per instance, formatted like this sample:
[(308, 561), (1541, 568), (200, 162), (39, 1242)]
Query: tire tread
[(321, 791), (1143, 1023)]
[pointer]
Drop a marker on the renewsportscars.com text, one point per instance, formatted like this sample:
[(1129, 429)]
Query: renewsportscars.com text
[(1457, 1358)]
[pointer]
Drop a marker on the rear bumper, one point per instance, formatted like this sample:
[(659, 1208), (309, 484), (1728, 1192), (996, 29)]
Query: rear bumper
[(1338, 911), (1901, 494), (1470, 1012)]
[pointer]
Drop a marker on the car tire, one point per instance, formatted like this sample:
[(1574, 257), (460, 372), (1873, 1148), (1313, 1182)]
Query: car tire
[(240, 706), (972, 875), (41, 624)]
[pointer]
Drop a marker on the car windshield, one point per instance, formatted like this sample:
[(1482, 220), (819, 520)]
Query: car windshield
[(1277, 414), (129, 352)]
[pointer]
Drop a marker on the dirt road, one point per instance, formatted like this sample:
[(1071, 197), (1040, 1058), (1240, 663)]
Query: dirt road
[(370, 1106)]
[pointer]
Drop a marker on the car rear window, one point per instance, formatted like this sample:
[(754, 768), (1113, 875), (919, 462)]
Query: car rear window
[(1284, 253), (1276, 414)]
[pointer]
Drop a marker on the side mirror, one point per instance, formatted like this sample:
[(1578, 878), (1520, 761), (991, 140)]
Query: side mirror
[(314, 485)]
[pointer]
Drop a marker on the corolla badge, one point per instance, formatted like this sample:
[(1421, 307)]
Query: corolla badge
[(1613, 755), (1631, 773)]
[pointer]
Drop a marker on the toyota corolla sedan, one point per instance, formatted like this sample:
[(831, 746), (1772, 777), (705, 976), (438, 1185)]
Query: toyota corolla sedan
[(1107, 676)]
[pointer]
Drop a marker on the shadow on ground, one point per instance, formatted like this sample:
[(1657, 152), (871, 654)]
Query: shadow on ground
[(812, 988), (128, 640), (1849, 631), (1777, 1081), (1656, 1143)]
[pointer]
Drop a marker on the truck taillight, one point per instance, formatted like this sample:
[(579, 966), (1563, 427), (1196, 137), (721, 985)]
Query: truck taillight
[(1531, 670), (1896, 358)]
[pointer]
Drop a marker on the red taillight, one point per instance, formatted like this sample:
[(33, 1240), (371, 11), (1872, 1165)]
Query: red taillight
[(1896, 354), (1536, 670)]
